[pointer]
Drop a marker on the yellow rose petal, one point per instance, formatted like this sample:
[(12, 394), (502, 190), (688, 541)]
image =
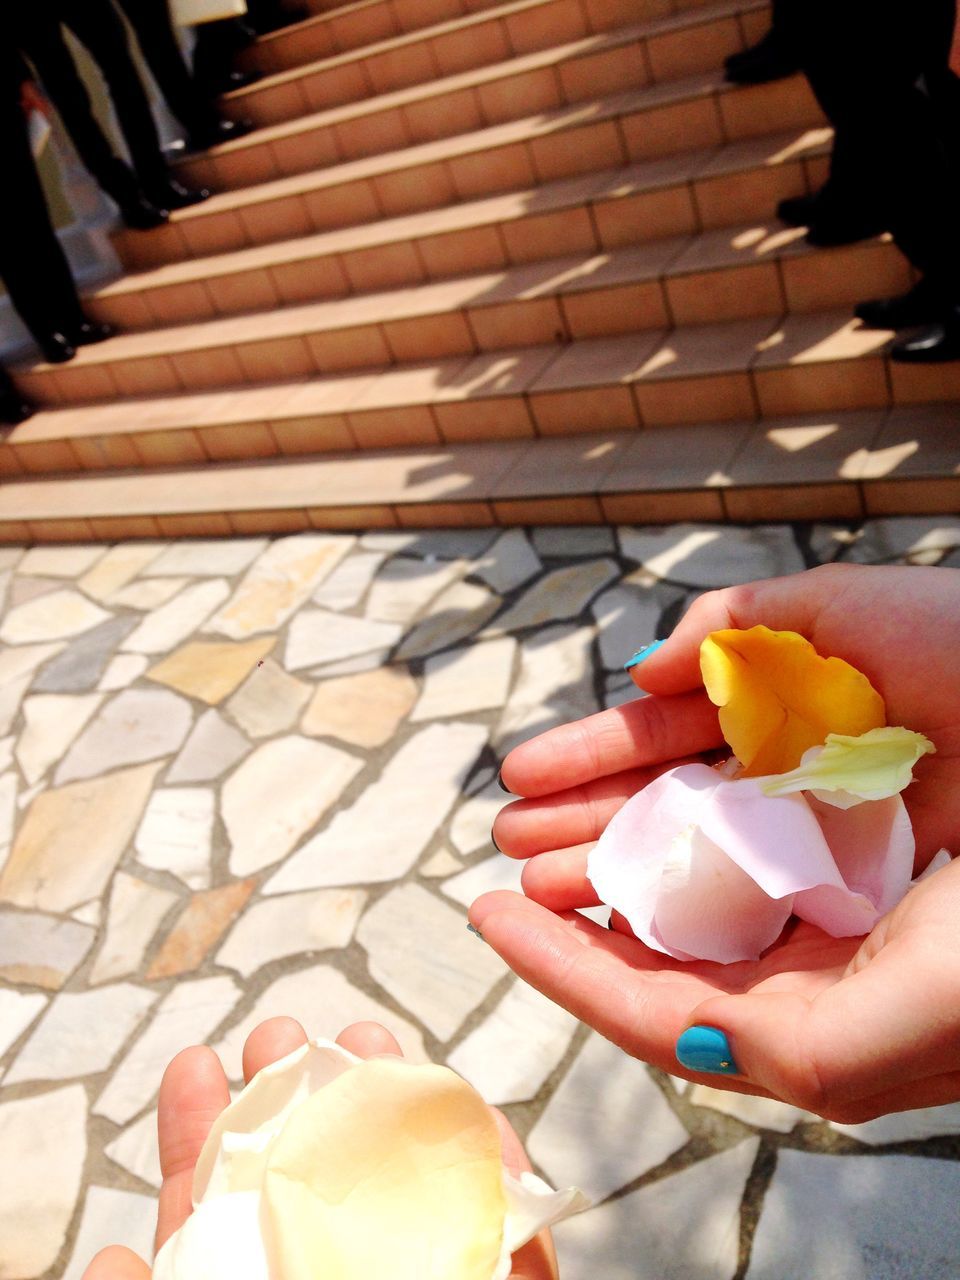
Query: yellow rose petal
[(778, 697), (390, 1171), (873, 766)]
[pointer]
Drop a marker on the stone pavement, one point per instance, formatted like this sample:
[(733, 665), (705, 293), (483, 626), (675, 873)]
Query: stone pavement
[(241, 778)]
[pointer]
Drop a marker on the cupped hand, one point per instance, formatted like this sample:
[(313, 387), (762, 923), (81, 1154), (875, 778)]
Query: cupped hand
[(195, 1090)]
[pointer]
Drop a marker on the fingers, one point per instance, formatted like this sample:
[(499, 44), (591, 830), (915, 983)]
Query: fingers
[(269, 1042), (193, 1092), (117, 1263), (537, 1260), (579, 814), (368, 1040), (558, 880), (639, 735)]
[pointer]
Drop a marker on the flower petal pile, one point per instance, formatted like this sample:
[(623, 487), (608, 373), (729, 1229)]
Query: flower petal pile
[(329, 1167), (709, 864)]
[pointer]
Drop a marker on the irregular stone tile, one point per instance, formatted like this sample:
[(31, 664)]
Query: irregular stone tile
[(269, 702), (685, 1227), (880, 1218), (404, 587), (512, 1053), (82, 663), (627, 618), (565, 593), (470, 828), (164, 628), (10, 556), (465, 680), (620, 689), (145, 596), (905, 1126), (51, 722), (135, 910), (40, 950), (761, 1113), (81, 1033), (295, 924), (28, 796), (120, 565), (112, 1217), (443, 544), (384, 832), (18, 1009), (364, 709), (561, 541), (208, 670), (138, 724), (56, 616), (348, 583), (136, 1150), (6, 751), (201, 925), (213, 747), (510, 562), (89, 913), (555, 685), (457, 613), (905, 539), (323, 1002), (219, 557), (11, 695), (17, 667), (66, 561), (98, 817), (632, 1132), (189, 1014), (177, 832), (498, 872), (19, 590), (122, 670), (280, 581), (8, 813), (352, 666), (829, 542), (277, 794), (317, 637), (44, 1141), (421, 952), (440, 864), (713, 555)]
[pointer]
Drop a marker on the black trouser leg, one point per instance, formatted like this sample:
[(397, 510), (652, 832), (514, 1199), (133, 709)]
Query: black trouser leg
[(150, 20), (33, 266), (218, 44), (98, 26)]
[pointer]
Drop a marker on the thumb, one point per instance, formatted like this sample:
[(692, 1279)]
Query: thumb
[(117, 1263)]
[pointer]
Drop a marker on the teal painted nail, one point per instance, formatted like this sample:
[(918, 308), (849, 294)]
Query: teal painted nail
[(642, 654), (473, 929), (706, 1049)]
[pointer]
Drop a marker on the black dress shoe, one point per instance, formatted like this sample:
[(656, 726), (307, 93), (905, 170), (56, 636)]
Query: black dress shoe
[(222, 131), (934, 345), (239, 80), (831, 229), (174, 195), (14, 410), (764, 62), (923, 304), (797, 211), (90, 332), (140, 215), (56, 348)]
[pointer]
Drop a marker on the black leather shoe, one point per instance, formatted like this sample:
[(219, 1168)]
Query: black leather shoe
[(934, 345), (174, 195), (923, 304), (14, 410), (56, 348), (239, 80), (140, 215), (768, 60), (90, 332), (797, 211), (829, 230), (222, 131)]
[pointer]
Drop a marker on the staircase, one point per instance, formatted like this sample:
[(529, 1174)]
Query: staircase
[(489, 263)]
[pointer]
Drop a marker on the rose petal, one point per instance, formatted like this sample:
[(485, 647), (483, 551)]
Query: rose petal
[(778, 697), (219, 1241), (846, 770), (532, 1206)]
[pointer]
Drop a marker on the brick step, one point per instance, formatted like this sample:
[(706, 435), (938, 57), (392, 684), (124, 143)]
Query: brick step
[(621, 279), (589, 138), (506, 86), (737, 370), (430, 111), (833, 466), (385, 24)]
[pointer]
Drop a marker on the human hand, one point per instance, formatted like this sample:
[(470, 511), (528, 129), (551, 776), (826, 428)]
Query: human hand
[(193, 1093), (901, 627)]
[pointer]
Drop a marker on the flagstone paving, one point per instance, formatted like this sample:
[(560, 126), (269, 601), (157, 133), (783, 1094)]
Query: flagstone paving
[(247, 777)]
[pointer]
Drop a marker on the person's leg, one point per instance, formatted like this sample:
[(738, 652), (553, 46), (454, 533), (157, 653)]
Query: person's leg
[(217, 45), (14, 407), (774, 56), (151, 23)]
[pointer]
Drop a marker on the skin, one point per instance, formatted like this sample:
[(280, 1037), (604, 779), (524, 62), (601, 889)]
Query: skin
[(193, 1093), (848, 1028)]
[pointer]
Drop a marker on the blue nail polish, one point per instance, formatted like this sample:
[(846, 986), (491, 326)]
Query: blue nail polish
[(642, 654), (706, 1049), (473, 929)]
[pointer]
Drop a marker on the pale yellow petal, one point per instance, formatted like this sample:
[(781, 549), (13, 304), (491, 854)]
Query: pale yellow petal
[(873, 766)]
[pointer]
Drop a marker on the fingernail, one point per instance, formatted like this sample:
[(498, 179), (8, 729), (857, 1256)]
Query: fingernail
[(493, 841), (706, 1049), (642, 654), (473, 929), (502, 785)]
